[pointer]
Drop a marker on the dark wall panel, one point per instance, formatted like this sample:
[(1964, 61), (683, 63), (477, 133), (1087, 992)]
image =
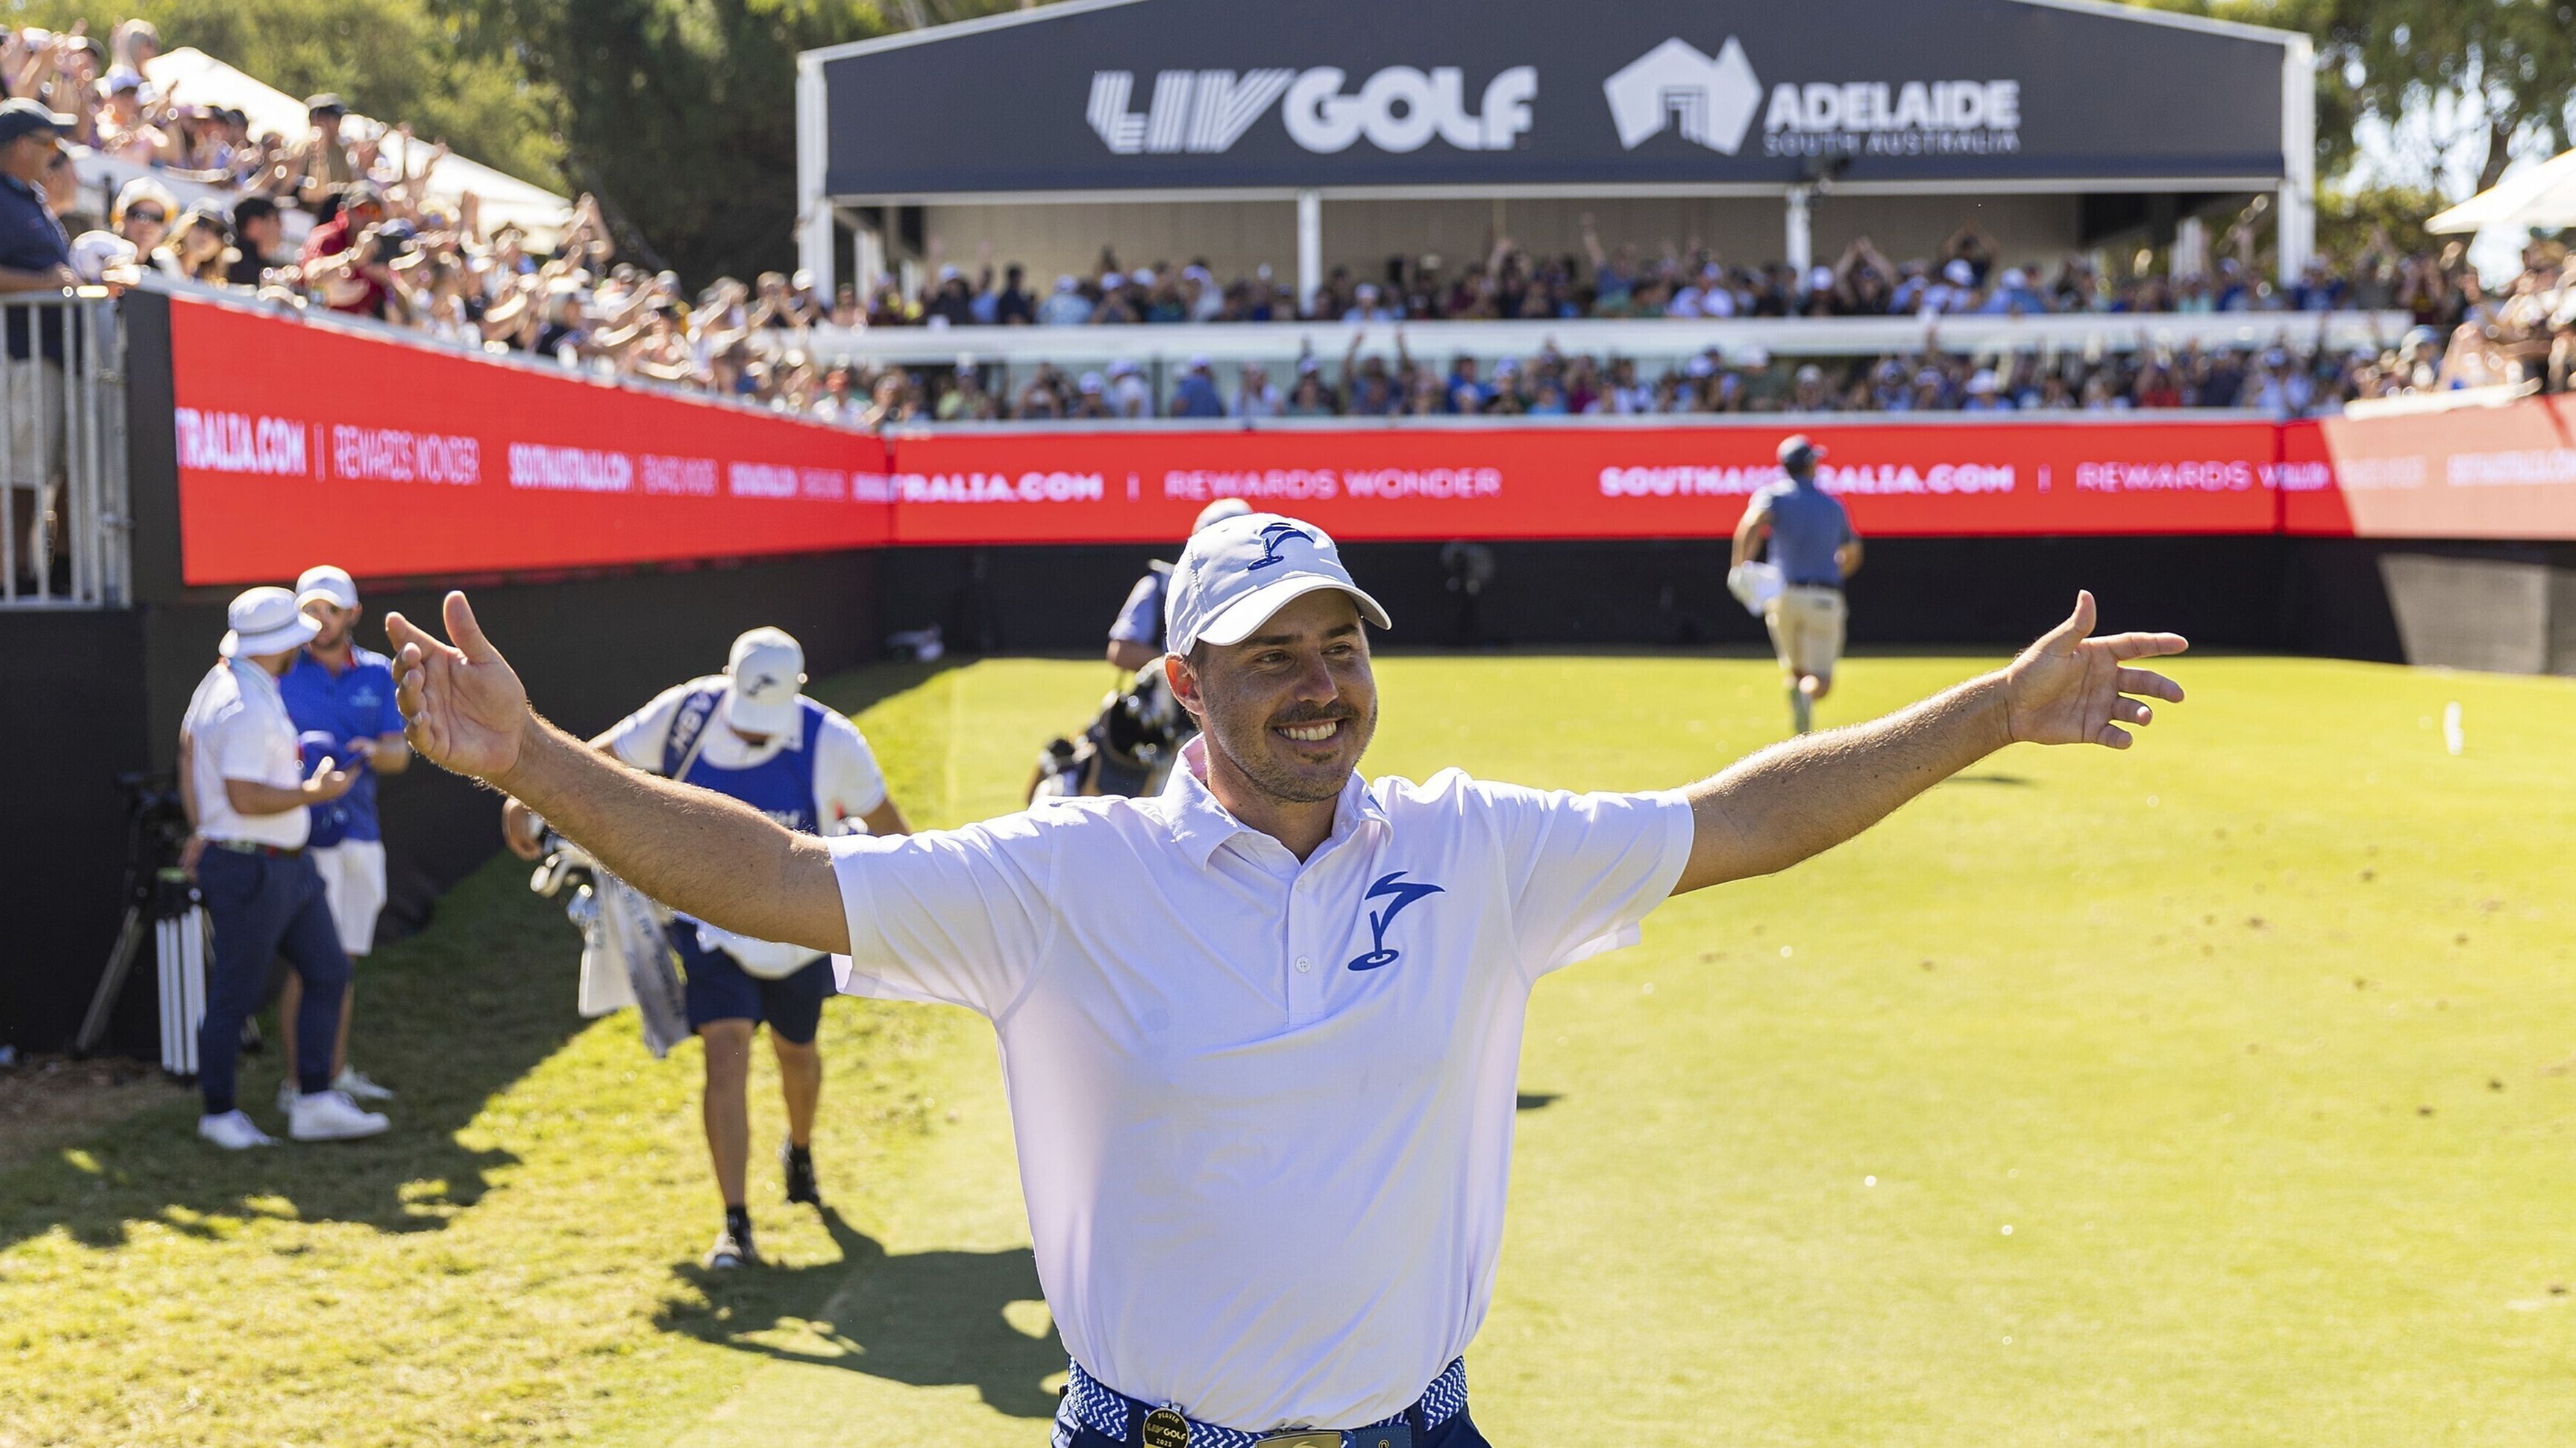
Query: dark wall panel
[(2224, 591)]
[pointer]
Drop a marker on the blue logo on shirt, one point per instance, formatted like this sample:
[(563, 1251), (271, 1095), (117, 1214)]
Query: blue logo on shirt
[(1272, 539), (1393, 889)]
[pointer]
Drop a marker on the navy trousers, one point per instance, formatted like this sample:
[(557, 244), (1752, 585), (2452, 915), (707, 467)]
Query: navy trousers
[(264, 905)]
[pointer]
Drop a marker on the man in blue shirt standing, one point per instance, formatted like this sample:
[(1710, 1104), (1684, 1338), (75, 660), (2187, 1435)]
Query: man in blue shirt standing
[(337, 689), (1813, 545), (35, 256)]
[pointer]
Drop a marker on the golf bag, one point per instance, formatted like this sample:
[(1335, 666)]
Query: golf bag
[(1128, 749), (626, 960)]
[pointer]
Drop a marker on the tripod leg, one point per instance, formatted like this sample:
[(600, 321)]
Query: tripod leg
[(111, 982)]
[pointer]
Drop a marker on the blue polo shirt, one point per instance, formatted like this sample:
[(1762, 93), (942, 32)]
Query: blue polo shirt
[(31, 240), (356, 703), (1807, 525)]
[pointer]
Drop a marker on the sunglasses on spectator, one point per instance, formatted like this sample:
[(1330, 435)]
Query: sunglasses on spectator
[(153, 214)]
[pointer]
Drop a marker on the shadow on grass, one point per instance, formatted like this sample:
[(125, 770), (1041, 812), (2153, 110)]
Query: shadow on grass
[(854, 691), (1536, 1100), (925, 1319), (447, 1019)]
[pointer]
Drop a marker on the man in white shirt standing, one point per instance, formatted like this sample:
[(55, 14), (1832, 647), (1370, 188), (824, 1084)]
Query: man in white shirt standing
[(247, 795), (751, 735), (1260, 1032)]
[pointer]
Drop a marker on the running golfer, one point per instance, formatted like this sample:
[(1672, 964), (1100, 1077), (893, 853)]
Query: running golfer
[(1260, 1032), (1813, 545)]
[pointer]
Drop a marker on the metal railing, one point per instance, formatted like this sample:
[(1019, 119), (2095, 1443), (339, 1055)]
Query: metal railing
[(64, 518)]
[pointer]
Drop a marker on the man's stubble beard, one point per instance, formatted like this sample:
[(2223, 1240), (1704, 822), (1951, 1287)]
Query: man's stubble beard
[(1251, 757)]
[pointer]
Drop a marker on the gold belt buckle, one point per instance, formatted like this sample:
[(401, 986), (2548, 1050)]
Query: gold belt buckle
[(1306, 1439)]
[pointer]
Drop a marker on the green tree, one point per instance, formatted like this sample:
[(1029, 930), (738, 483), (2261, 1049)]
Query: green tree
[(681, 114), (2506, 68), (395, 60)]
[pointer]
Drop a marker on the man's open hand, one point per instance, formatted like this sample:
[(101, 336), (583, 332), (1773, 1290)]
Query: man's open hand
[(462, 706), (2071, 688)]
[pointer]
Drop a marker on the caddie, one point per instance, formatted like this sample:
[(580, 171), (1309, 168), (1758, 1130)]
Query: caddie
[(1260, 1032), (750, 735)]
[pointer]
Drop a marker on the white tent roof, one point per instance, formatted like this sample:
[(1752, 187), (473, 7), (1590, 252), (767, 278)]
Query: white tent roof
[(191, 76), (2543, 197)]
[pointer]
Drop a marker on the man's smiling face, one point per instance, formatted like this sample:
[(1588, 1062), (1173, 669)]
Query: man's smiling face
[(1293, 706)]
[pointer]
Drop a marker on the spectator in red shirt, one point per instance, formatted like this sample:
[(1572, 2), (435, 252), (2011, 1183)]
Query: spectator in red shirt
[(363, 292)]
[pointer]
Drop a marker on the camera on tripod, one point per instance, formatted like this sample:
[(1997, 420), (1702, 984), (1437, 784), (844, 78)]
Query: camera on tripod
[(159, 897)]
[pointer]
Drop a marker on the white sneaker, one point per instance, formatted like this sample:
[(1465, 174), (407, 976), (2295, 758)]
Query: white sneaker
[(331, 1116), (354, 1084), (233, 1131)]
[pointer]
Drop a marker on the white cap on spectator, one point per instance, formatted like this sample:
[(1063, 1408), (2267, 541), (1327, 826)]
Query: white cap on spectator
[(1217, 512), (2015, 277), (1090, 383), (1811, 373), (1111, 281), (1262, 271), (1239, 572), (330, 584), (767, 671), (1066, 284), (1699, 366), (1958, 273), (1820, 278), (1122, 368), (1983, 382), (265, 621), (1199, 362), (1142, 276), (950, 273)]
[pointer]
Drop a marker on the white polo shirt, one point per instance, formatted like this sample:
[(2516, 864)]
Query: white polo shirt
[(847, 781), (847, 785), (237, 727), (1263, 1109)]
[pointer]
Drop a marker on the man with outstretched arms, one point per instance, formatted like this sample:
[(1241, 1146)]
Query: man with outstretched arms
[(750, 735), (1260, 1032)]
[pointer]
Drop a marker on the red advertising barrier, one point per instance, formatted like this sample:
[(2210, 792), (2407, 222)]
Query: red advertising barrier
[(301, 444), (1363, 483), (2471, 472)]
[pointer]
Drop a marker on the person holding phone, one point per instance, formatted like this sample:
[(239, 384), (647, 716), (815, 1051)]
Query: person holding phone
[(345, 694)]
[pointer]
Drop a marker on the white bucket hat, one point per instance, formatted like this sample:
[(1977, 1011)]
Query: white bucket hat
[(1237, 572), (767, 672), (265, 621)]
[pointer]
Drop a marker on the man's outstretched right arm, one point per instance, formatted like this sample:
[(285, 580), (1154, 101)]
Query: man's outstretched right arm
[(695, 851)]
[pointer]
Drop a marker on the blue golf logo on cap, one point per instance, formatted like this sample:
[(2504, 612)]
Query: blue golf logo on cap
[(1273, 538), (1398, 893)]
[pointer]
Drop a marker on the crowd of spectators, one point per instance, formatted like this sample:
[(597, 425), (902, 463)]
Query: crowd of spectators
[(377, 245), (1966, 278), (2523, 335)]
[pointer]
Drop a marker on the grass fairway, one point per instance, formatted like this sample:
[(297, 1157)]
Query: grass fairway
[(2258, 1039)]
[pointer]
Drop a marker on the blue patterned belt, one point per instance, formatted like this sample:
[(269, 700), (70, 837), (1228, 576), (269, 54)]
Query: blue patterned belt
[(1103, 1409)]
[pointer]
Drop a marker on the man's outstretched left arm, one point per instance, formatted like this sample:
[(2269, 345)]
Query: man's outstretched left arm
[(1771, 810)]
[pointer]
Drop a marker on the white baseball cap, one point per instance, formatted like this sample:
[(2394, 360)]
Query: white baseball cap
[(265, 621), (1218, 511), (332, 585), (1238, 572), (767, 670)]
